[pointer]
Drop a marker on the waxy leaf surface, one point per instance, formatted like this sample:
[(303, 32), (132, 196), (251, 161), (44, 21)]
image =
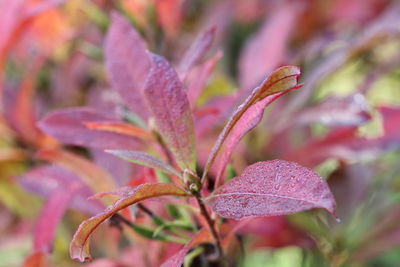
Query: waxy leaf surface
[(79, 247), (170, 108), (68, 127), (144, 159), (127, 63), (271, 188)]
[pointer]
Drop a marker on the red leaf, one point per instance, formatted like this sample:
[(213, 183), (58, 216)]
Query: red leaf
[(79, 247), (245, 124), (196, 52), (203, 236), (127, 63), (280, 80), (38, 259), (169, 16), (170, 107), (271, 188), (144, 159), (67, 126)]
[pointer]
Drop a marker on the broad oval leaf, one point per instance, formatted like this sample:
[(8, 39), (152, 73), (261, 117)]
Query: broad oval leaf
[(170, 107), (79, 247), (144, 159), (127, 63), (271, 188)]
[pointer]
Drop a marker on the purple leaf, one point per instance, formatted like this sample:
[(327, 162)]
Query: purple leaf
[(196, 52), (67, 126), (127, 63), (144, 159), (170, 107), (271, 188)]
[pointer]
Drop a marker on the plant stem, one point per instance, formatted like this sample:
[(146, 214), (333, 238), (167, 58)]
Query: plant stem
[(210, 223)]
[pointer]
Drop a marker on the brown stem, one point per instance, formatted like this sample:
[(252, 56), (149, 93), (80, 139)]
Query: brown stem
[(210, 223)]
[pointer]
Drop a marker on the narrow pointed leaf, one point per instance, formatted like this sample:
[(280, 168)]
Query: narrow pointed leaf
[(271, 188), (280, 80), (119, 128), (144, 159), (250, 118), (170, 107), (196, 51), (68, 127), (203, 236), (79, 247), (127, 63), (49, 218)]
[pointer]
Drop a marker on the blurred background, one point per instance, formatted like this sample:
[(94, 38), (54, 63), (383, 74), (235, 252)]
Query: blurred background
[(344, 123)]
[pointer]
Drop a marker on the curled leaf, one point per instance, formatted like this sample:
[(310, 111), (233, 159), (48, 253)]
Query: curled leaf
[(170, 107), (79, 247), (271, 188)]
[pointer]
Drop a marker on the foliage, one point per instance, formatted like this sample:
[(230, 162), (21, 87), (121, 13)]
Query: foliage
[(128, 113)]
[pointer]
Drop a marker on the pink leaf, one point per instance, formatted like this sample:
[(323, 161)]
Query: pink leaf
[(49, 218), (170, 107), (79, 247), (196, 52), (280, 80), (198, 78), (45, 180), (245, 124), (271, 188), (144, 159), (267, 48), (127, 63), (68, 127), (203, 236)]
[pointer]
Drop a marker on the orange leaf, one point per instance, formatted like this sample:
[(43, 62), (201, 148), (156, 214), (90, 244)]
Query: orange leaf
[(79, 247), (120, 128)]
